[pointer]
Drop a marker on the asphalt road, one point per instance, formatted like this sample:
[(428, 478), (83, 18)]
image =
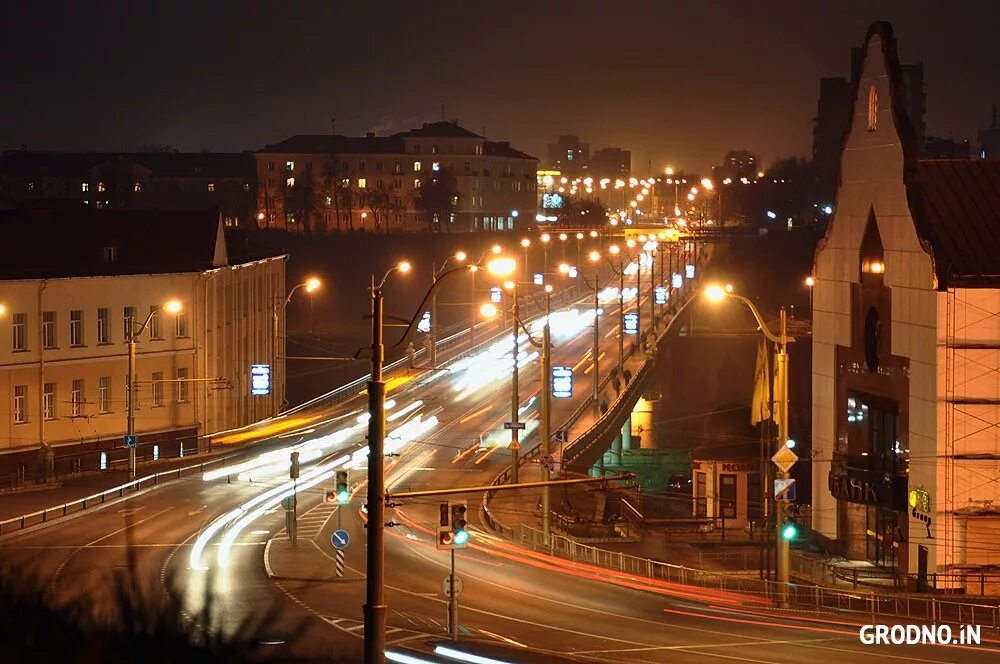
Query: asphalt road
[(511, 597)]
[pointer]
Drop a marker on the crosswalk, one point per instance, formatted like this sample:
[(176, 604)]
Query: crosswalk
[(310, 524)]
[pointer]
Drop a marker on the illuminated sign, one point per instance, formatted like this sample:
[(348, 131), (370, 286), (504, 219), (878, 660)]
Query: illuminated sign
[(677, 280), (689, 271), (552, 201), (920, 499), (572, 273), (538, 278), (562, 382), (495, 294), (660, 295), (425, 323), (260, 379), (631, 323)]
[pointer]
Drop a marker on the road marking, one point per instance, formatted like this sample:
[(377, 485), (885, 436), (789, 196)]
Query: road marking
[(197, 511)]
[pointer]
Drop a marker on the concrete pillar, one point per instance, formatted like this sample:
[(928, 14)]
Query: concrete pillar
[(642, 423), (627, 434), (615, 457)]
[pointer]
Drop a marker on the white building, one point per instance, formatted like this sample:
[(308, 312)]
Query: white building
[(906, 346), (76, 281)]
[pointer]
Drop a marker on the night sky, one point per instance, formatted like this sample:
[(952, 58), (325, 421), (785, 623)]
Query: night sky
[(676, 82)]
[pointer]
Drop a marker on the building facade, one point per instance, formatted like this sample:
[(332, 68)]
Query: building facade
[(138, 180), (65, 325), (335, 184), (906, 345)]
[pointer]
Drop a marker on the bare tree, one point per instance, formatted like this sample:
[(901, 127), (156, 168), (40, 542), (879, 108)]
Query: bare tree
[(379, 202), (437, 197), (298, 196)]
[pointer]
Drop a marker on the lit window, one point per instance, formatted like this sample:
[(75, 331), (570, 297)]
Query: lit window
[(104, 394), (157, 388), (76, 397), (328, 201), (434, 149), (289, 165), (182, 385), (416, 184), (211, 186), (362, 183), (137, 187), (100, 186), (49, 401), (416, 166), (436, 166), (872, 108), (85, 186), (290, 182), (20, 404)]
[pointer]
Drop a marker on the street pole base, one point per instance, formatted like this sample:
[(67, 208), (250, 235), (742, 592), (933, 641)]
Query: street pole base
[(374, 633)]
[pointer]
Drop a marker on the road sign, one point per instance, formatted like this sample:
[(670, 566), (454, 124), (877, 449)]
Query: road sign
[(660, 295), (425, 322), (340, 539), (572, 273), (631, 323), (446, 586), (496, 295), (562, 436), (689, 271), (538, 278), (562, 382), (129, 440), (784, 459), (339, 562), (547, 461), (260, 379), (513, 425), (784, 489), (677, 280)]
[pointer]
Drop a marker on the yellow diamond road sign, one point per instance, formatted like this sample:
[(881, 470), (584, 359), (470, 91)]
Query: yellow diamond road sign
[(784, 459)]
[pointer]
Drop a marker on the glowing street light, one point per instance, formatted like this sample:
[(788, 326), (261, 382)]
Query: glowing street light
[(460, 256), (313, 284), (503, 266), (488, 310)]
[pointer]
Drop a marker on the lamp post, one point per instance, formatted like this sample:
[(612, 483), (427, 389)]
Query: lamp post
[(810, 282), (614, 250), (525, 244), (545, 238), (173, 307), (594, 257), (546, 408), (515, 446), (459, 256), (312, 284), (716, 293)]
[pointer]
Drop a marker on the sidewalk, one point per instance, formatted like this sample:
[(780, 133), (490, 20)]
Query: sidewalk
[(36, 497)]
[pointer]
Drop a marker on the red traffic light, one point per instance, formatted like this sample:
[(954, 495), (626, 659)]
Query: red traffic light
[(331, 497), (445, 538)]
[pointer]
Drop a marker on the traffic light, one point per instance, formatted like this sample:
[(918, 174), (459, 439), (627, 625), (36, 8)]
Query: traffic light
[(789, 529), (452, 532), (458, 523), (341, 488)]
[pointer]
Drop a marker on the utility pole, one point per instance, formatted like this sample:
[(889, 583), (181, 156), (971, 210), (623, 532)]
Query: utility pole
[(130, 401), (514, 446), (597, 343), (432, 352), (546, 407), (781, 370), (374, 609)]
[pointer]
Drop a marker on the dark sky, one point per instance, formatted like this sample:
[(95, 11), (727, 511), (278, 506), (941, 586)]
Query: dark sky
[(674, 81)]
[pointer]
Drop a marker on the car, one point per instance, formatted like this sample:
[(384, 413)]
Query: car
[(679, 483)]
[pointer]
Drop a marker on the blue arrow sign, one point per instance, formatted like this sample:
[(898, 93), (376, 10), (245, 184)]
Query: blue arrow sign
[(340, 539), (129, 440)]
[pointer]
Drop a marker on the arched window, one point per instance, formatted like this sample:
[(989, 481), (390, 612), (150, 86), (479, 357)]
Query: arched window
[(872, 108)]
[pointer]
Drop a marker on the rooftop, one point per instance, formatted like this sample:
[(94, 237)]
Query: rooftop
[(25, 163), (141, 241), (956, 204)]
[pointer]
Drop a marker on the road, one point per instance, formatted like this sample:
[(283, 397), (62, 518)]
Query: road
[(192, 541)]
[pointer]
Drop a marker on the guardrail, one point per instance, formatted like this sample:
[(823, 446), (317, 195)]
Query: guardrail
[(48, 514), (869, 603), (824, 571)]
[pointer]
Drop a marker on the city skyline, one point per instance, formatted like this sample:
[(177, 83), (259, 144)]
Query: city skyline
[(659, 79)]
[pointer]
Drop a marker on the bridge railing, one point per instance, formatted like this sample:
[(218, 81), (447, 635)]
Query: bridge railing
[(660, 575), (48, 514)]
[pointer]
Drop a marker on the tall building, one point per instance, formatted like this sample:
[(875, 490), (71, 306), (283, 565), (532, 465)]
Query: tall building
[(82, 280), (906, 311), (133, 180), (568, 155), (989, 139), (936, 147), (737, 164), (333, 183), (833, 113), (610, 163)]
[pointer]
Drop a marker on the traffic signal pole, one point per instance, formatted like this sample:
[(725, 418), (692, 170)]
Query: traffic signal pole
[(452, 602), (782, 544), (374, 609)]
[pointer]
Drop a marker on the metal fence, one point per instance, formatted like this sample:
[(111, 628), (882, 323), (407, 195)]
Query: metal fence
[(825, 571), (73, 506), (869, 603)]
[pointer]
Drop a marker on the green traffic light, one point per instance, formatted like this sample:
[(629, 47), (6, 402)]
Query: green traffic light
[(461, 537), (343, 496), (789, 531)]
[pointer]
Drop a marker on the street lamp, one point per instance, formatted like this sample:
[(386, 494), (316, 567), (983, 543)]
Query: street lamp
[(717, 293), (525, 243), (460, 256), (171, 307), (545, 238), (310, 285), (810, 282)]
